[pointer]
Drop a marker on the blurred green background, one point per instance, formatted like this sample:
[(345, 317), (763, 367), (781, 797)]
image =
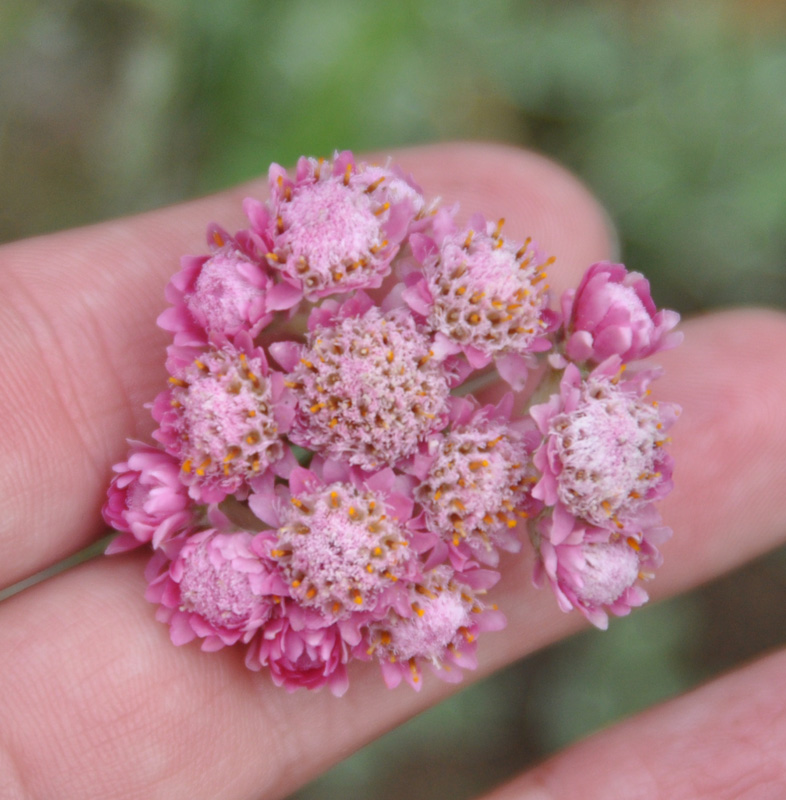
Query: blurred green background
[(674, 113)]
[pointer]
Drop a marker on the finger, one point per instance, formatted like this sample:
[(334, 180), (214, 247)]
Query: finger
[(83, 354), (725, 741), (90, 680)]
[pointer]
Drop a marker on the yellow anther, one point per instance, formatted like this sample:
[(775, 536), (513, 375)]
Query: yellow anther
[(334, 501), (316, 407), (218, 239), (371, 187), (390, 356), (177, 382), (347, 173), (498, 229), (382, 209), (186, 465), (468, 240), (634, 543)]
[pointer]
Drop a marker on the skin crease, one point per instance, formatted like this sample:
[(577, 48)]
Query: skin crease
[(95, 702)]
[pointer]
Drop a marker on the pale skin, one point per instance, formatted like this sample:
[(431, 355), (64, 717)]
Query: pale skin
[(95, 702)]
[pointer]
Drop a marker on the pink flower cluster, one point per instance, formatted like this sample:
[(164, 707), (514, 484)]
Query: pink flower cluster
[(325, 488)]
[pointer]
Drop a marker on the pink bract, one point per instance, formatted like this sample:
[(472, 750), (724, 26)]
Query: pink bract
[(146, 500), (612, 313), (482, 294), (475, 484), (212, 586), (368, 388), (602, 457), (224, 419), (440, 630), (334, 228)]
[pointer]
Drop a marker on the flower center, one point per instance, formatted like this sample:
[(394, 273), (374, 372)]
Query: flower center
[(487, 292), (477, 483), (211, 587), (369, 390), (609, 569), (609, 448), (225, 419), (338, 548), (330, 237)]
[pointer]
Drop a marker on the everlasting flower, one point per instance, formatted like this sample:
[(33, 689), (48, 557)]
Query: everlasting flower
[(598, 572), (223, 418), (351, 502), (476, 481), (484, 295), (146, 500), (602, 457), (612, 313), (211, 585), (342, 546), (334, 230), (216, 297), (368, 390), (441, 631), (306, 658)]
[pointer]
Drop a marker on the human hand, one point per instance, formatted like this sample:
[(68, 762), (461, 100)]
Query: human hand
[(95, 700)]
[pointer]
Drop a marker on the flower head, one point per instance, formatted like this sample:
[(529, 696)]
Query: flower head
[(211, 585), (598, 572), (612, 313), (223, 418), (441, 631), (301, 658), (336, 228), (602, 457), (368, 390), (483, 294), (342, 546), (146, 500), (215, 297), (477, 486)]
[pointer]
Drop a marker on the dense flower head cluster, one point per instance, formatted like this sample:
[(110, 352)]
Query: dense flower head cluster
[(324, 485)]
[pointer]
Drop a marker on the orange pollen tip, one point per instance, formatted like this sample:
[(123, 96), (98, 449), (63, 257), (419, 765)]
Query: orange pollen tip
[(186, 465), (178, 382), (306, 363), (311, 593), (371, 187), (218, 239), (498, 229), (390, 356), (333, 422), (272, 257), (358, 600), (382, 209), (295, 584), (351, 511), (316, 407), (461, 290), (334, 499), (634, 543)]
